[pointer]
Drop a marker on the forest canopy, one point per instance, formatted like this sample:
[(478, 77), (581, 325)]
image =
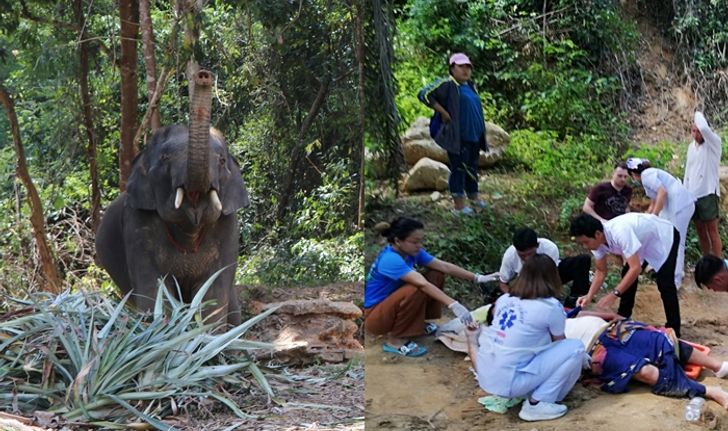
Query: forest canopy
[(91, 80)]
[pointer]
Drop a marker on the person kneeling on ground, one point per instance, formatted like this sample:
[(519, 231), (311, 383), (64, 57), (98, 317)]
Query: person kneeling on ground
[(525, 353), (398, 299), (711, 271)]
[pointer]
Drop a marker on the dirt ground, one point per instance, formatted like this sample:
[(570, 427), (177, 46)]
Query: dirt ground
[(438, 392)]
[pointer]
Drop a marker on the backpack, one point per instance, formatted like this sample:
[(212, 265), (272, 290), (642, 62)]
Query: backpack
[(436, 120), (435, 124)]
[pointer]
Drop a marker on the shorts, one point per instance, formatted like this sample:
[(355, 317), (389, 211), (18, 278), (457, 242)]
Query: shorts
[(707, 208)]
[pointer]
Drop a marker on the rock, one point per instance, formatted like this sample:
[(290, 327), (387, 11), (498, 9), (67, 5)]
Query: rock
[(427, 174), (417, 144), (308, 330), (435, 196), (723, 175), (415, 150), (420, 129)]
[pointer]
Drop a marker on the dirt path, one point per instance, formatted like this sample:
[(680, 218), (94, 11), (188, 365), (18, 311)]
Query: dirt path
[(438, 392)]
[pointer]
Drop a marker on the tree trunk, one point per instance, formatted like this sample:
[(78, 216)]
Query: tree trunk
[(129, 17), (150, 64), (390, 135), (192, 8), (48, 266), (87, 116), (297, 153), (362, 108)]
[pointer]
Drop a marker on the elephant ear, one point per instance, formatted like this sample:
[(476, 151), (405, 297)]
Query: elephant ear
[(138, 187), (236, 195)]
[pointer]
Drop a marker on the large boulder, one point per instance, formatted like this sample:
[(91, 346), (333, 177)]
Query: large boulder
[(418, 149), (427, 174), (498, 140), (417, 144)]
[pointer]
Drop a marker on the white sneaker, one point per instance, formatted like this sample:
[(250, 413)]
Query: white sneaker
[(542, 411), (723, 372)]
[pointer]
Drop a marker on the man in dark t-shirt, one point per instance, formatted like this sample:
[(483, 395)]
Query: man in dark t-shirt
[(609, 199)]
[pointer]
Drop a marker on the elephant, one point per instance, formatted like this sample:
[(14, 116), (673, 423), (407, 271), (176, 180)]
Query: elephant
[(177, 218)]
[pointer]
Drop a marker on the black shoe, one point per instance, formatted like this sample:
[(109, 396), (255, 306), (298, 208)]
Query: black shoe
[(570, 301)]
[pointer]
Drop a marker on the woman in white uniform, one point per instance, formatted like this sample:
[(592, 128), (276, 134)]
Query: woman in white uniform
[(669, 199), (525, 353)]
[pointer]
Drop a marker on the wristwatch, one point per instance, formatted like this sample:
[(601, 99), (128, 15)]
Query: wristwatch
[(617, 293)]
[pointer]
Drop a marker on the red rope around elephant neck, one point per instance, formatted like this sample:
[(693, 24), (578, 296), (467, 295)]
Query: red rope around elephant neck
[(180, 248)]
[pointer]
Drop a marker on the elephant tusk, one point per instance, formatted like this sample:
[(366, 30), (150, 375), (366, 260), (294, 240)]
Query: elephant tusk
[(178, 198), (215, 200)]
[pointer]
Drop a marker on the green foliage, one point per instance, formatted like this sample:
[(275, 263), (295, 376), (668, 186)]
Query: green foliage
[(528, 76), (106, 367), (305, 261), (562, 165), (472, 242), (570, 207), (663, 155), (321, 210), (269, 61)]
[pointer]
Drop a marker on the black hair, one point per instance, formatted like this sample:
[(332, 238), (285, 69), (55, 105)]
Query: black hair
[(401, 228), (525, 238), (644, 164), (539, 278), (585, 225), (622, 165), (706, 268)]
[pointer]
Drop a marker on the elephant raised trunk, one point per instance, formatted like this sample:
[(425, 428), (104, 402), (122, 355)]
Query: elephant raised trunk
[(197, 182)]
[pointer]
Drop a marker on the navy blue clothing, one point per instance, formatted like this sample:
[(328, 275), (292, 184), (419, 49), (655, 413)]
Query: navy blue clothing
[(446, 92)]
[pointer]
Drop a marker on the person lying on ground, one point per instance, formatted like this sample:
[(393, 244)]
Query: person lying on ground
[(526, 353), (621, 350), (526, 243), (712, 272), (398, 299)]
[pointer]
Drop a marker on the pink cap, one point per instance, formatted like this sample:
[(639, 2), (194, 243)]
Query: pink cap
[(459, 58)]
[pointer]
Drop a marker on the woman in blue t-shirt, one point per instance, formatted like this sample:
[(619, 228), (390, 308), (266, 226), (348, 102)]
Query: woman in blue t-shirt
[(462, 130), (398, 299)]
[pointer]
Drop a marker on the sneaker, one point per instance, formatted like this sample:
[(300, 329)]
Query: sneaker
[(479, 203), (723, 372), (542, 411), (467, 211)]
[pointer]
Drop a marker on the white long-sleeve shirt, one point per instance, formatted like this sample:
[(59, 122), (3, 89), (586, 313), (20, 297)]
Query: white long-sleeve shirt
[(703, 161)]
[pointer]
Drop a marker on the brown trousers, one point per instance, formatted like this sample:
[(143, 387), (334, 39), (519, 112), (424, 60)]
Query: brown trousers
[(405, 310)]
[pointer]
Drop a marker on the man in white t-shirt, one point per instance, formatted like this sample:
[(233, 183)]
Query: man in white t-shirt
[(526, 243), (702, 179), (637, 238)]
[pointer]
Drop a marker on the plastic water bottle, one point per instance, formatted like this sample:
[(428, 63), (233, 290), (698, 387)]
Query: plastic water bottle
[(694, 409)]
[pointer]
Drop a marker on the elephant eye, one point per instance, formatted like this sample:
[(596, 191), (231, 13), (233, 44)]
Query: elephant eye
[(165, 157), (222, 160)]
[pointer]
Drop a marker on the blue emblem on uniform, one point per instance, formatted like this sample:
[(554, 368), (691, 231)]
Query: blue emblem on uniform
[(507, 319)]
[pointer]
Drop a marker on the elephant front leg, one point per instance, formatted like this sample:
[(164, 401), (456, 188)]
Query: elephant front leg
[(226, 306)]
